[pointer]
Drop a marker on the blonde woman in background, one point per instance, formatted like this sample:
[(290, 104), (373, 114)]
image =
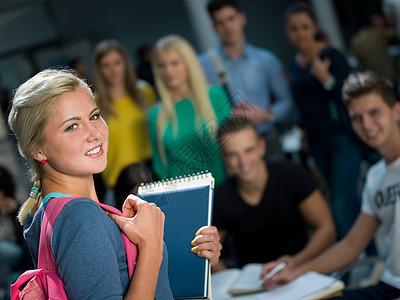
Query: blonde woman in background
[(183, 126), (124, 102)]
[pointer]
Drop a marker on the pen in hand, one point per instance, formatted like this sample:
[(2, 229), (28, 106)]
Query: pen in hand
[(274, 271)]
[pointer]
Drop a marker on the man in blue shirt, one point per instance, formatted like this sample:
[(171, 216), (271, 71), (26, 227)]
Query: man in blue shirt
[(255, 77)]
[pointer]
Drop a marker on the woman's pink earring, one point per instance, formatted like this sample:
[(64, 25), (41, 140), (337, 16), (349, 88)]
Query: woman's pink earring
[(43, 161)]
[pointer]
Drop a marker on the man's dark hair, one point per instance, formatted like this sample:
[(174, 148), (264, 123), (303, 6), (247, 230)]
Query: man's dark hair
[(215, 5), (234, 125), (362, 83)]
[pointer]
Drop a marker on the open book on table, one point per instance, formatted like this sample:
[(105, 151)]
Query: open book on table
[(247, 284)]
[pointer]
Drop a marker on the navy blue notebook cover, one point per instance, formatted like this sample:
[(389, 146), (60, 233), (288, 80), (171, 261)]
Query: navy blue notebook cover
[(187, 205)]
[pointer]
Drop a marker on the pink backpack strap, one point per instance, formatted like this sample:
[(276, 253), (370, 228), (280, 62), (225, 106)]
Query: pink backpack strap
[(130, 248), (46, 257)]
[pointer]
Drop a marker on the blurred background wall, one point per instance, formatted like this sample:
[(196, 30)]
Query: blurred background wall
[(35, 34)]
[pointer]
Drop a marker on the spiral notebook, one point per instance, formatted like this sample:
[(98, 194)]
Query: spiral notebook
[(187, 204)]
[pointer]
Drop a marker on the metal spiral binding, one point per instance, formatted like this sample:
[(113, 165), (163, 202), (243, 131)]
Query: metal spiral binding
[(175, 180)]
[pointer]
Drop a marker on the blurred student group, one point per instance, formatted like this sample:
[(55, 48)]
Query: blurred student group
[(171, 115)]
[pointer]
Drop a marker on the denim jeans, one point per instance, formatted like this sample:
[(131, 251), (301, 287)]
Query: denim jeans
[(339, 160)]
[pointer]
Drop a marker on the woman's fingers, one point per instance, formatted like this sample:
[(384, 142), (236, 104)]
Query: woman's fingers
[(146, 227), (130, 206), (207, 243)]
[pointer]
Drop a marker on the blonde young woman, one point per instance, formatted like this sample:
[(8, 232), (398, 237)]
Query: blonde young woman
[(182, 128), (62, 135), (124, 101)]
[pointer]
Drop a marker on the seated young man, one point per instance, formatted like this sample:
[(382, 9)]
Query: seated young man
[(374, 113), (267, 207)]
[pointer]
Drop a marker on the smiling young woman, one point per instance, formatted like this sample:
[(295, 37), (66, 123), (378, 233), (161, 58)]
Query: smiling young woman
[(62, 135), (77, 131)]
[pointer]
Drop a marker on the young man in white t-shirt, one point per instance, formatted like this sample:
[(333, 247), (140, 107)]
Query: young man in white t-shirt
[(375, 115)]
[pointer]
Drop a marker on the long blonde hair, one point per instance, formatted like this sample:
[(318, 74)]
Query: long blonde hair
[(29, 116), (103, 96), (199, 89)]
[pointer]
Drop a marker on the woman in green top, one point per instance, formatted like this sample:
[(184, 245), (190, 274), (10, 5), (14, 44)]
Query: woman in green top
[(183, 126)]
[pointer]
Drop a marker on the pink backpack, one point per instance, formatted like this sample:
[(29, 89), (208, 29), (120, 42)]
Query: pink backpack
[(44, 282)]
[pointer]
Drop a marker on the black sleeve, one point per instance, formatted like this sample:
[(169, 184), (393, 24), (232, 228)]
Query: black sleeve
[(302, 183), (221, 196), (340, 69), (339, 66)]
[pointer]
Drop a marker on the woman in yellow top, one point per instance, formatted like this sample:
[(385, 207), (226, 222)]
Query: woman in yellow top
[(124, 101)]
